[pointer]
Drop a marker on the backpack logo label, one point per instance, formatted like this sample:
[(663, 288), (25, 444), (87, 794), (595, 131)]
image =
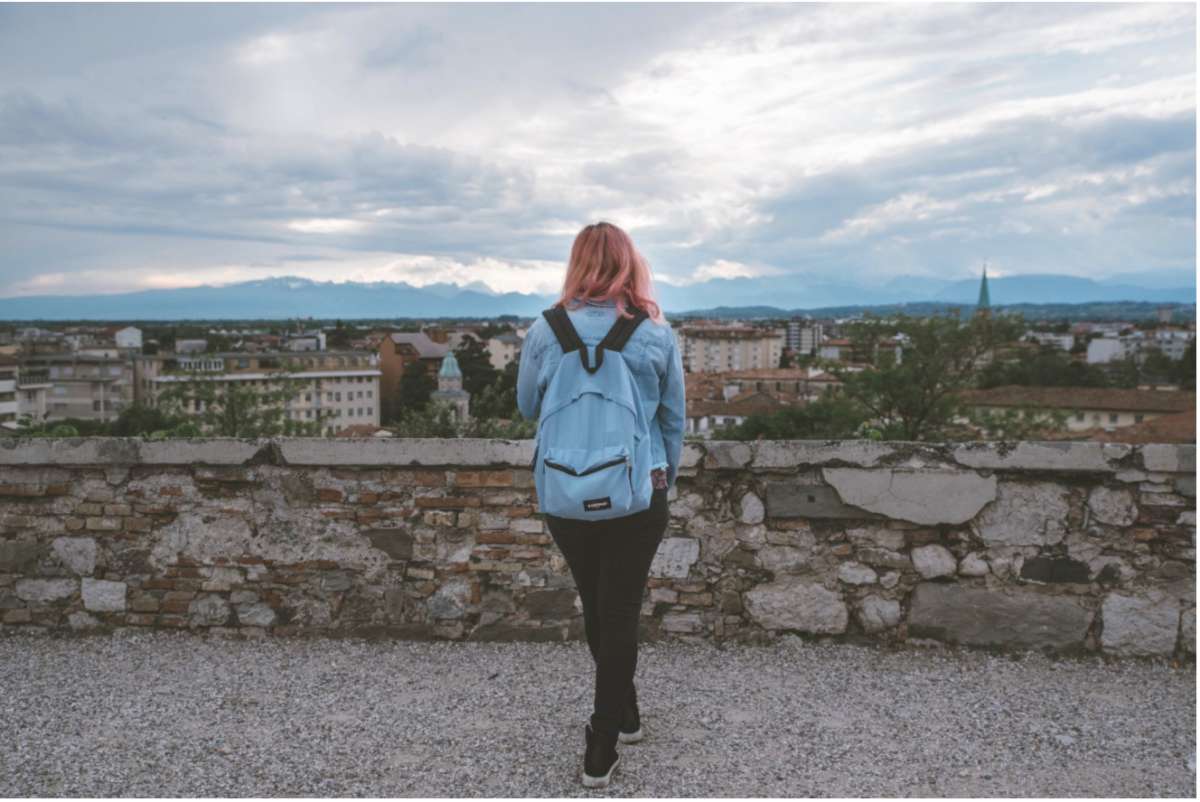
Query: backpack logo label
[(597, 503)]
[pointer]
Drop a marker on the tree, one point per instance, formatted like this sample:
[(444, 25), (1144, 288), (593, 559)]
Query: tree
[(1185, 372), (237, 408), (830, 417), (475, 362), (1048, 367), (140, 419), (499, 399), (917, 397), (415, 386)]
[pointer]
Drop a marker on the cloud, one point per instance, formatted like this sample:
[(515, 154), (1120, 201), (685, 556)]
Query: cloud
[(809, 142)]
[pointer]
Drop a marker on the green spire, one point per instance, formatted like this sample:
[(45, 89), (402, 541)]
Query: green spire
[(985, 301), (450, 369)]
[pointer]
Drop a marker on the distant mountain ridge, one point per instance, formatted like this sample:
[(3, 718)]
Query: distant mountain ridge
[(292, 297)]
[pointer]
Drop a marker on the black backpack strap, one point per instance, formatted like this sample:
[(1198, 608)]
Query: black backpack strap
[(623, 329), (614, 340), (563, 329)]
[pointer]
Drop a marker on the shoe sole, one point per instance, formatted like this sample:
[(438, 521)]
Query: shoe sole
[(600, 782), (630, 737)]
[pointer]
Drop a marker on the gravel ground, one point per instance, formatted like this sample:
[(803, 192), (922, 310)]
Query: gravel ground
[(178, 714)]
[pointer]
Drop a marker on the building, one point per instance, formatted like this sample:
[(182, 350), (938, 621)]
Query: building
[(398, 350), (339, 388), (96, 385), (1085, 407), (504, 349), (1063, 342), (9, 404), (1171, 341), (129, 337), (709, 349), (842, 349), (450, 390), (705, 416), (804, 337)]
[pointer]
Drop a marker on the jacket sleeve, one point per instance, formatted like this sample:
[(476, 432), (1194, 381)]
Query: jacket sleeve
[(672, 408), (529, 397)]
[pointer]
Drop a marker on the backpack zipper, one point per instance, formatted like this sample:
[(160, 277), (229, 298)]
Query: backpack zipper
[(593, 469)]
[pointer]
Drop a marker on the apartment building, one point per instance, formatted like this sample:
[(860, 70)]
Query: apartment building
[(339, 388), (804, 337), (94, 384), (1085, 407), (717, 348), (1173, 342)]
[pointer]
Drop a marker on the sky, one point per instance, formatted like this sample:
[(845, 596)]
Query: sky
[(148, 146)]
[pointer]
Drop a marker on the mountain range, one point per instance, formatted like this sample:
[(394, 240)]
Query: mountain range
[(294, 297)]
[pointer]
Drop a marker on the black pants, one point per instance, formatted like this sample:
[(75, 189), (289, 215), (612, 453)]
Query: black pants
[(610, 561)]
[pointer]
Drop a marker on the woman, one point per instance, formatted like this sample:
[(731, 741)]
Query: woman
[(610, 559)]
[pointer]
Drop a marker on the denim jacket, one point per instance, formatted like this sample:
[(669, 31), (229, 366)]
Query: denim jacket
[(653, 356)]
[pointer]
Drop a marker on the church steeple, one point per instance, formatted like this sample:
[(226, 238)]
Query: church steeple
[(984, 304)]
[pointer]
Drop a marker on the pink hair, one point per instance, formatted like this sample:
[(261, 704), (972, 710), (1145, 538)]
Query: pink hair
[(604, 266)]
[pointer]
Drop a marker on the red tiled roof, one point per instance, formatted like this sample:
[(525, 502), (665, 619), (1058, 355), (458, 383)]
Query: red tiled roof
[(1115, 399)]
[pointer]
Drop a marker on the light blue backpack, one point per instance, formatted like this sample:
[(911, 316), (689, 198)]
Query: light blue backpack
[(592, 454)]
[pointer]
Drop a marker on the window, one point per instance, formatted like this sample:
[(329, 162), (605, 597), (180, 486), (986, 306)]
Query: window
[(1079, 416), (1112, 417), (1138, 418)]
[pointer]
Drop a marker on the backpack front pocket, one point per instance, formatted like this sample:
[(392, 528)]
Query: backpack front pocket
[(587, 483)]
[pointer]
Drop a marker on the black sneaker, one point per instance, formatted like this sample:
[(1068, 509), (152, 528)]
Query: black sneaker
[(631, 721), (601, 758)]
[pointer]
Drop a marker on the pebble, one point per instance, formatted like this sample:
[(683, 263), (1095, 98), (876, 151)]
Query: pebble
[(167, 714)]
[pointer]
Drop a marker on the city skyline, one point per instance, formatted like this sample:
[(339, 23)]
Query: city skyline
[(157, 147)]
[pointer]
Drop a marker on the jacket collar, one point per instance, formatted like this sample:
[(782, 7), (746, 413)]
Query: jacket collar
[(594, 302)]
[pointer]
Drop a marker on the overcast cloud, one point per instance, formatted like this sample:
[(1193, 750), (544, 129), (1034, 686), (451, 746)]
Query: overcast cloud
[(151, 146)]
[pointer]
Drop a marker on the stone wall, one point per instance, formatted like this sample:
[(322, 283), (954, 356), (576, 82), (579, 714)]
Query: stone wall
[(1066, 547)]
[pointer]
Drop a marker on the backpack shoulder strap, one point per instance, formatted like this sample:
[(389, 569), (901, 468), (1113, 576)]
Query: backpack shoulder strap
[(623, 329), (563, 329)]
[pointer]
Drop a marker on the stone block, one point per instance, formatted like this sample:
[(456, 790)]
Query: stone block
[(675, 557), (1169, 457), (255, 614), (1041, 456), (793, 499), (793, 453), (550, 604), (208, 611), (1054, 569), (42, 591), (1113, 506), (983, 617), (103, 595), (683, 623), (752, 509), (799, 604), (450, 600), (921, 496), (1025, 514), (1146, 624), (853, 573), (19, 556), (875, 614), (934, 560), (396, 543)]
